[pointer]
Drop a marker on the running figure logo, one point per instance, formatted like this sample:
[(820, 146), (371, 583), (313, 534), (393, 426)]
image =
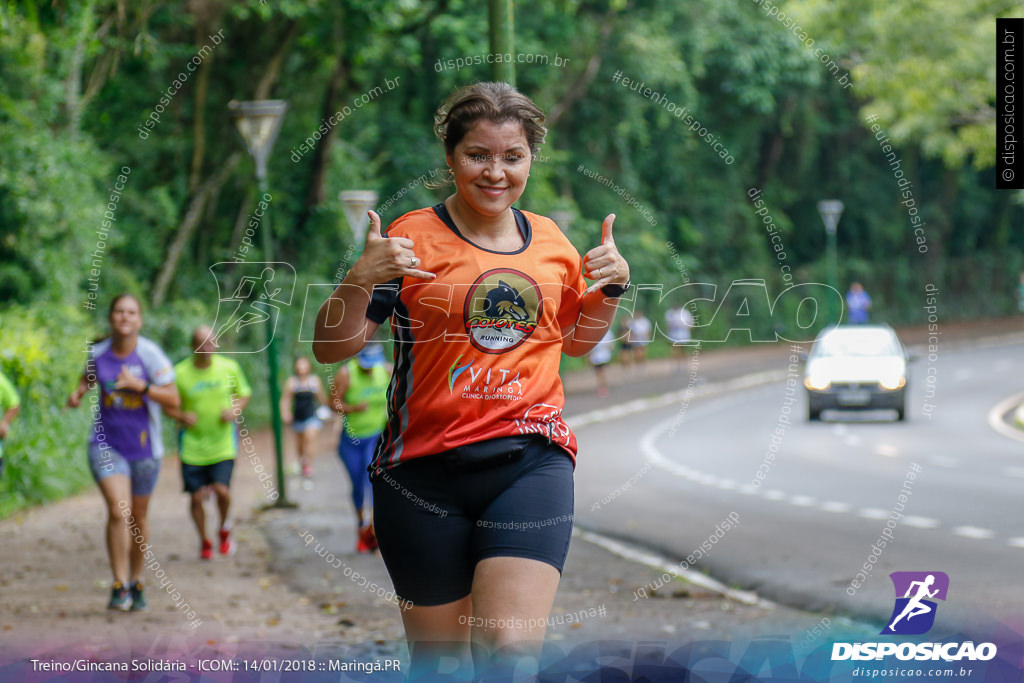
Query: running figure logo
[(914, 613), (257, 294)]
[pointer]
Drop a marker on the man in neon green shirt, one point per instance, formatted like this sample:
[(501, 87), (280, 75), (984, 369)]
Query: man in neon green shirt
[(213, 392), (10, 404), (359, 393)]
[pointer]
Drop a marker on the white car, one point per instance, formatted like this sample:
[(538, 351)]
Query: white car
[(856, 367)]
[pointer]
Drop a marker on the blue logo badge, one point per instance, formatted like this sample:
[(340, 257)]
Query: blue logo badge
[(916, 592)]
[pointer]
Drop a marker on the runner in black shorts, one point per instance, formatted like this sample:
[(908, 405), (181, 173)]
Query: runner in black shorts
[(472, 476), (521, 506), (303, 394), (214, 392)]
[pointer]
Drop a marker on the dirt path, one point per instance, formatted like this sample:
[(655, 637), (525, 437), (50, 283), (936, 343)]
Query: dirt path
[(55, 581), (277, 595)]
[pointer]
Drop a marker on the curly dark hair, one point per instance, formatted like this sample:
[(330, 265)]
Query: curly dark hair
[(493, 101)]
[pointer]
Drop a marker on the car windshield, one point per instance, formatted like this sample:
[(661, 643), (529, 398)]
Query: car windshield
[(865, 343)]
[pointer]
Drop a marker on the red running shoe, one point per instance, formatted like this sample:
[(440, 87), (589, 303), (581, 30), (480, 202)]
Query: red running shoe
[(367, 542), (227, 543), (206, 553)]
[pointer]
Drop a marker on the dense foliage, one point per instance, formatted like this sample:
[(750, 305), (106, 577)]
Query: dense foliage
[(96, 89)]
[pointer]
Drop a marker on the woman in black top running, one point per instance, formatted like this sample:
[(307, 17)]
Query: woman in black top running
[(303, 394)]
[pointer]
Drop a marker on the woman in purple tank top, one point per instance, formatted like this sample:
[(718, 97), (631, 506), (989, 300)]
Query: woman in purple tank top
[(136, 380)]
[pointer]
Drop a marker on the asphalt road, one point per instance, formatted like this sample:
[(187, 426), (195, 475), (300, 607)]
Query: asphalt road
[(828, 491)]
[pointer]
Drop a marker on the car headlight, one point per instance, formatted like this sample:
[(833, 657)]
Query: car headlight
[(892, 382), (816, 382)]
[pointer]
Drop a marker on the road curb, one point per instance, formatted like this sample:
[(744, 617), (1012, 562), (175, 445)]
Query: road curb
[(1017, 419), (1007, 417), (640, 555)]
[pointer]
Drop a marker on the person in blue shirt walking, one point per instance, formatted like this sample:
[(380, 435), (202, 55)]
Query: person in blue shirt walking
[(858, 303)]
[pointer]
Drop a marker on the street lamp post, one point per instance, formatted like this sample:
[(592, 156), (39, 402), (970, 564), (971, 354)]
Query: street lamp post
[(356, 203), (831, 210), (259, 122)]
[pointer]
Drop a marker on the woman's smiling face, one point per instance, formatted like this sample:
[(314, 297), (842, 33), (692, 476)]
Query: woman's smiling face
[(490, 165)]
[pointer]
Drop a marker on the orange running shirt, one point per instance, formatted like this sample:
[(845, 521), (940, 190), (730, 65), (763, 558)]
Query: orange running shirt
[(477, 350)]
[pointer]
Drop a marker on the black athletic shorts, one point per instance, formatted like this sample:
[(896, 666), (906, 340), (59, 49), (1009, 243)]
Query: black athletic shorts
[(435, 520), (198, 476)]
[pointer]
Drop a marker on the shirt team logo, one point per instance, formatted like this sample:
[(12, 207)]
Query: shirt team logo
[(502, 310), (914, 612)]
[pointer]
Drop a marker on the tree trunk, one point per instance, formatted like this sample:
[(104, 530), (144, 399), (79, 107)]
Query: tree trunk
[(188, 226), (583, 81), (199, 123), (273, 71), (579, 87), (241, 219), (73, 85), (322, 153)]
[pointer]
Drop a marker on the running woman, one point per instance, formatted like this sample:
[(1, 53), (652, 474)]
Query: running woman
[(135, 381), (473, 475), (360, 394), (10, 404), (303, 394), (214, 392)]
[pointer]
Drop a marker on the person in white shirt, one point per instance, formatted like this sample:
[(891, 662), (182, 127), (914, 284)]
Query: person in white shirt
[(601, 358), (678, 322), (639, 336)]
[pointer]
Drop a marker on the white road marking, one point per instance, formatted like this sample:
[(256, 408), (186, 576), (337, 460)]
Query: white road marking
[(973, 532), (944, 461), (963, 374), (660, 562), (995, 417), (851, 440), (705, 479), (655, 457)]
